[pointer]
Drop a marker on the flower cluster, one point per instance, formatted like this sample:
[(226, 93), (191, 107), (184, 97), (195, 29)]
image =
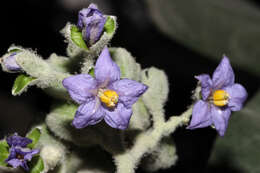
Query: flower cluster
[(220, 96), (19, 154), (104, 97)]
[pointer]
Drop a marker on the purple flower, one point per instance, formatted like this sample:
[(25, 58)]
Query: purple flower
[(10, 63), (91, 21), (19, 155), (220, 96), (104, 97), (19, 141)]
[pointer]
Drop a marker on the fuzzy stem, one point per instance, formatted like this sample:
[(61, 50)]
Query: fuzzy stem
[(147, 141)]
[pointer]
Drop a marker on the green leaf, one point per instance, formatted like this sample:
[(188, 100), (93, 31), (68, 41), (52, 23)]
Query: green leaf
[(109, 25), (77, 38), (21, 83), (34, 135), (4, 153), (36, 165)]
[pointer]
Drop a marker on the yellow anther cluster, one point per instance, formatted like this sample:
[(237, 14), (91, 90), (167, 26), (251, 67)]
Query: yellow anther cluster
[(109, 98), (220, 98)]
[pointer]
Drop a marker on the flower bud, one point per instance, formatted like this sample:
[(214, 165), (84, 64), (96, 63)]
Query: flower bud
[(91, 22), (11, 64)]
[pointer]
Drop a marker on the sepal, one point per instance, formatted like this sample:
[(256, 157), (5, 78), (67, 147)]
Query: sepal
[(21, 84)]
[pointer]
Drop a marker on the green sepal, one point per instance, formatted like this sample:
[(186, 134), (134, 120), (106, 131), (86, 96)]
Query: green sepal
[(109, 26), (92, 72), (21, 83), (4, 152), (34, 135), (14, 50), (77, 38), (36, 165)]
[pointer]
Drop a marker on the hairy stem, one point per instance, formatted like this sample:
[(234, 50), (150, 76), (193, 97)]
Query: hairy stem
[(147, 141)]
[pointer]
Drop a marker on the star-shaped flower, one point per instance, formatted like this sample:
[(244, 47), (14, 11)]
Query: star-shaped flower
[(19, 155), (220, 96), (91, 21), (105, 96)]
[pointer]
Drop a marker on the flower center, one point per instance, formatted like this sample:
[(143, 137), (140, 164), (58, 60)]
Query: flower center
[(108, 97), (19, 156), (220, 98)]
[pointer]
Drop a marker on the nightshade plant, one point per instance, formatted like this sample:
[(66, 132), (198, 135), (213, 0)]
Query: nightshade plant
[(96, 82)]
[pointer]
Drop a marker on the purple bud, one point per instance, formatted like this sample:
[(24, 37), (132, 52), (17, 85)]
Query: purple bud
[(10, 63), (91, 21)]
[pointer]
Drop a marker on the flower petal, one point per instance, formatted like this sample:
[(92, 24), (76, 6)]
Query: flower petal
[(15, 163), (94, 28), (201, 116), (84, 13), (119, 117), (106, 70), (238, 95), (80, 87), (220, 119), (29, 155), (92, 22), (88, 114), (223, 76), (16, 140), (128, 90), (12, 154), (206, 85)]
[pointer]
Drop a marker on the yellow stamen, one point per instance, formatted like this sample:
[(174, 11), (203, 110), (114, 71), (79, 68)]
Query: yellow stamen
[(220, 98), (108, 97)]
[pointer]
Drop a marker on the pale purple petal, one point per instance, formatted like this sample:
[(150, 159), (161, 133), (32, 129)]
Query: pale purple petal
[(88, 114), (237, 96), (128, 90), (91, 21), (12, 154), (84, 13), (201, 116), (223, 76), (15, 163), (94, 28), (206, 85), (80, 87), (11, 64), (106, 70), (29, 155), (220, 118), (119, 117), (16, 140)]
